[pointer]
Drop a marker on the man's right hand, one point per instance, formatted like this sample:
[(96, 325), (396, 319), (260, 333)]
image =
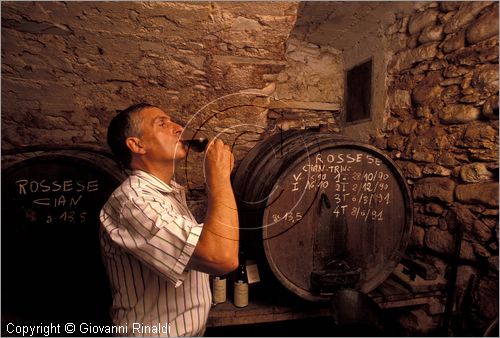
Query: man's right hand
[(219, 162), (217, 249)]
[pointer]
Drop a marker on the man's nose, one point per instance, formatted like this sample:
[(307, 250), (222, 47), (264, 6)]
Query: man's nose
[(178, 128)]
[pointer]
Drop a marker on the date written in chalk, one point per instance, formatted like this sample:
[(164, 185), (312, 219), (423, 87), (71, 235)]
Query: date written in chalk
[(68, 216)]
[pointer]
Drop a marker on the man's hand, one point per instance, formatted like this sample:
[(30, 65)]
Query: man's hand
[(217, 249), (219, 162)]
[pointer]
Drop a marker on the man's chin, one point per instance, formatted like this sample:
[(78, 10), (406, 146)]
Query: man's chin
[(179, 157), (180, 152)]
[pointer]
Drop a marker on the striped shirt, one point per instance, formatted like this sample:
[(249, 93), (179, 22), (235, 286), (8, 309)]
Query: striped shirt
[(148, 236)]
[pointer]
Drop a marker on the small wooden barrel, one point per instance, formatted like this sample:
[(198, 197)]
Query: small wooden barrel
[(329, 212), (51, 264)]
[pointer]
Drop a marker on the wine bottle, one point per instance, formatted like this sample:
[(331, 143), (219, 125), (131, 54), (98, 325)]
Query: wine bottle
[(241, 283), (219, 289)]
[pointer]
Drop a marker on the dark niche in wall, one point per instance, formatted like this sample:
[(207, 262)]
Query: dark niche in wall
[(358, 95)]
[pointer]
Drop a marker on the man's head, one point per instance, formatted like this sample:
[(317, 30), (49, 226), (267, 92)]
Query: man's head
[(144, 131)]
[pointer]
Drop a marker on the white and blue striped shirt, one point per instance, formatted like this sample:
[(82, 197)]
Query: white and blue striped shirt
[(148, 236)]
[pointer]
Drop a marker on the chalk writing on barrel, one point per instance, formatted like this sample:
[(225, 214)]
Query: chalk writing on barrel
[(34, 186), (59, 200), (357, 183)]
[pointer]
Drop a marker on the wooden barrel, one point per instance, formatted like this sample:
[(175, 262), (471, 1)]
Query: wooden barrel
[(328, 212), (51, 265)]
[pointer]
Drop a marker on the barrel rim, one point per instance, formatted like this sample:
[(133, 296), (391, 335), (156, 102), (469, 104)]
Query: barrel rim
[(249, 165), (395, 256), (70, 159)]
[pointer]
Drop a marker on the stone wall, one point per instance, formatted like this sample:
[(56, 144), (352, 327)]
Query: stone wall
[(308, 92), (68, 67), (442, 130), (225, 69), (356, 29)]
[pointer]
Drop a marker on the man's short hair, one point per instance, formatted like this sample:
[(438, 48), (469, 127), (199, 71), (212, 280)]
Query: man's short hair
[(125, 124)]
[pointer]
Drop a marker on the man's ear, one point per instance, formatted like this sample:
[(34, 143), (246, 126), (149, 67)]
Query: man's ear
[(135, 145)]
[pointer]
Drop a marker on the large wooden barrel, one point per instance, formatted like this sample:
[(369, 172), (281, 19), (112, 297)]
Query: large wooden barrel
[(327, 212), (51, 265)]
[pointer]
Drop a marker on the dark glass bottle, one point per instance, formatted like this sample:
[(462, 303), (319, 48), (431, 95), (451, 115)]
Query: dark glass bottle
[(241, 283)]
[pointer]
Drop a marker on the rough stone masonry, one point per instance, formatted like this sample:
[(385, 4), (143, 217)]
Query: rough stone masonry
[(443, 131)]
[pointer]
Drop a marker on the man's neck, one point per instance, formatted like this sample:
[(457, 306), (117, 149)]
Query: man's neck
[(163, 172)]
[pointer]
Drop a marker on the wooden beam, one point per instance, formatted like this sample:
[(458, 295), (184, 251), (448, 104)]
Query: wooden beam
[(292, 104)]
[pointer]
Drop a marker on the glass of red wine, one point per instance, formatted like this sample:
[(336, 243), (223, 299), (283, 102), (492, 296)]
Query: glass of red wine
[(197, 144)]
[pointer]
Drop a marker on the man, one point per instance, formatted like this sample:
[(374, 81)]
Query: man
[(156, 255)]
